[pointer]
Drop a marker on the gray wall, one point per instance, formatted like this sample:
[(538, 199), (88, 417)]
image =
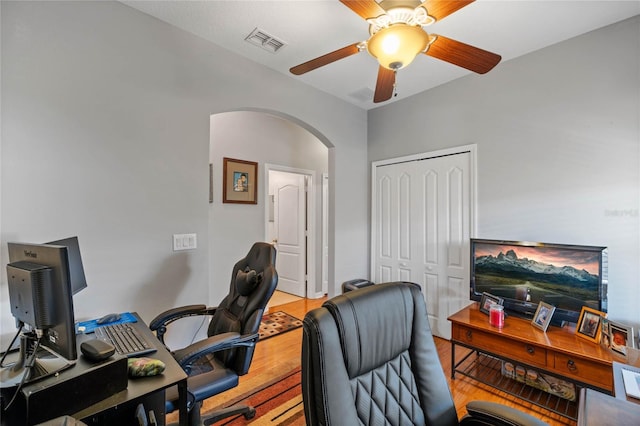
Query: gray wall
[(263, 138), (105, 135), (558, 143)]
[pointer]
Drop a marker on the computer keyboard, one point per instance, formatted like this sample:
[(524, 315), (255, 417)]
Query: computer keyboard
[(125, 339)]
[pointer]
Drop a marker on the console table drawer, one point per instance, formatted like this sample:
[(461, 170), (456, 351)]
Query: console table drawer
[(523, 352), (584, 370)]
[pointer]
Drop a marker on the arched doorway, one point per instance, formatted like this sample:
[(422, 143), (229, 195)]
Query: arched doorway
[(264, 138)]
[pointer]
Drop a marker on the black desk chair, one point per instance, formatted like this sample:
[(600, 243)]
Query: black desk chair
[(368, 357), (214, 364)]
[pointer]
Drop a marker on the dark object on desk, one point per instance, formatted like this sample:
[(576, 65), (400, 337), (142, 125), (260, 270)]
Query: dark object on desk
[(97, 350), (109, 318), (356, 340), (40, 297), (125, 338), (214, 364)]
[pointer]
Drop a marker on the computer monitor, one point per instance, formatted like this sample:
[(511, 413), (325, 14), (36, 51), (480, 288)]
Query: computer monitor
[(76, 270), (41, 298)]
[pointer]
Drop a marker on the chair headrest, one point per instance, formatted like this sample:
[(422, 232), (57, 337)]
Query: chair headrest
[(247, 281), (260, 254), (375, 324), (253, 281)]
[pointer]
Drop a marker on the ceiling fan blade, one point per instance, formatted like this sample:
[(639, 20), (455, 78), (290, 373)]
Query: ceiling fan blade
[(440, 9), (462, 55), (365, 8), (325, 59), (384, 85)]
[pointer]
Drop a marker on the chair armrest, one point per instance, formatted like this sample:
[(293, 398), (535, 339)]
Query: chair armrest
[(160, 322), (217, 343), (485, 412)]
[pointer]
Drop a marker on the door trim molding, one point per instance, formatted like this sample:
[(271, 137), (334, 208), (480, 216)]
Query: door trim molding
[(324, 264), (473, 189), (311, 218)]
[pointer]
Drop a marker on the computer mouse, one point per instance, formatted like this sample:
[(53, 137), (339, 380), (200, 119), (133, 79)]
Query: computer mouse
[(108, 318)]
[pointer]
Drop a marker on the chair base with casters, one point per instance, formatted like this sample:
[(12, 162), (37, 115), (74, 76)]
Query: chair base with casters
[(368, 357), (215, 364), (195, 415)]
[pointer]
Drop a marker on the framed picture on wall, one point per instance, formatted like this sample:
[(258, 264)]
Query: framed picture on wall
[(239, 181)]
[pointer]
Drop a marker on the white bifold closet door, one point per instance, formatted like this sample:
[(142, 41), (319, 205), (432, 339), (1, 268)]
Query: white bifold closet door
[(421, 230)]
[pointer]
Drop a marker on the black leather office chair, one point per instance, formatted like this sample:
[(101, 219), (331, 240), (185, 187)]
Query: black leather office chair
[(214, 364), (368, 357)]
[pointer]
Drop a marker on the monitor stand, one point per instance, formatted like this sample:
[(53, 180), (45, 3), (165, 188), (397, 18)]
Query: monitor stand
[(45, 363)]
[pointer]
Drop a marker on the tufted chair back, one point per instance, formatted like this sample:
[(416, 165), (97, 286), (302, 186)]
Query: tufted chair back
[(368, 357)]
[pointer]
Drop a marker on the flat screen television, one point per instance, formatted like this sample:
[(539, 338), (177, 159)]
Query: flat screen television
[(41, 298), (526, 273)]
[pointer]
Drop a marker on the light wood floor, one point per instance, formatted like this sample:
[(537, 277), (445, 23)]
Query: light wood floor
[(281, 353)]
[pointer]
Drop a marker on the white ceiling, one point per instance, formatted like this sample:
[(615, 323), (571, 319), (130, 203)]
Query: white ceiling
[(510, 28)]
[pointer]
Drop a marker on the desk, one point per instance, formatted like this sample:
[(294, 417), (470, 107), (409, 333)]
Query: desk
[(599, 409), (119, 408)]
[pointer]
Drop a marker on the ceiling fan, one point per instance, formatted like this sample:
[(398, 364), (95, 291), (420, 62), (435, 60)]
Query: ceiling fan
[(397, 37)]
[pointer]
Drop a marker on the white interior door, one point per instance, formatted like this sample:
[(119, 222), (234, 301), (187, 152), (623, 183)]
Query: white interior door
[(422, 228), (290, 226)]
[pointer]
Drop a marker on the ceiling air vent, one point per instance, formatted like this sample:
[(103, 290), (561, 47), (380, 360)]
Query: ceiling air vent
[(264, 40)]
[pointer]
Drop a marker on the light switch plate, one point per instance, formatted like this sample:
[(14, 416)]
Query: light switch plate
[(185, 242)]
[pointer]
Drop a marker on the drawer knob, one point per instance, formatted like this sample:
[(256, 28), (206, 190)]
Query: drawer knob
[(469, 334), (531, 350), (571, 365)]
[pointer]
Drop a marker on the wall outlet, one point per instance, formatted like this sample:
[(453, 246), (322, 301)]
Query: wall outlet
[(185, 242)]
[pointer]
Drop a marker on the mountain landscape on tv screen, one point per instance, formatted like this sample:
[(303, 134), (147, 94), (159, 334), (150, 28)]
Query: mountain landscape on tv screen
[(509, 265)]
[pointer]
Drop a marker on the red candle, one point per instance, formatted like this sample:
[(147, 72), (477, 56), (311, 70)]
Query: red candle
[(496, 316)]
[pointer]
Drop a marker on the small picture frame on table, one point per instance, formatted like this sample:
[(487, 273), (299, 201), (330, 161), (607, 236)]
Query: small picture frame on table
[(589, 324), (488, 300), (621, 337), (605, 334), (542, 317)]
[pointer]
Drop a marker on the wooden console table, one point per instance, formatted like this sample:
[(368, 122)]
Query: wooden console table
[(558, 353)]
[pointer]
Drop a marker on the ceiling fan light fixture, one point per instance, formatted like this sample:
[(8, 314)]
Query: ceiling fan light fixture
[(416, 16), (401, 21), (397, 46)]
